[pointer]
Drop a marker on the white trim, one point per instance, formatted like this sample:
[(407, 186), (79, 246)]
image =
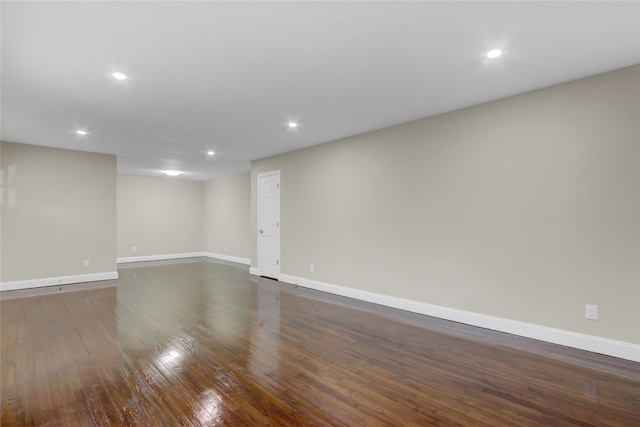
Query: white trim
[(54, 281), (245, 261), (254, 271), (159, 257), (621, 349)]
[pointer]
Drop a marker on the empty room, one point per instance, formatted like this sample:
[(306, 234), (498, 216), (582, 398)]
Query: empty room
[(358, 213)]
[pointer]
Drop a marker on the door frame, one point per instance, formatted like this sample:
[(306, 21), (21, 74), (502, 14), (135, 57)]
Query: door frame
[(258, 239)]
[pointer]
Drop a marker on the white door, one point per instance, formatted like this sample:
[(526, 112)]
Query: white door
[(269, 224)]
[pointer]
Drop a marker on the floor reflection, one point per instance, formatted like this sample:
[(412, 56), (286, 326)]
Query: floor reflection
[(210, 403), (265, 331)]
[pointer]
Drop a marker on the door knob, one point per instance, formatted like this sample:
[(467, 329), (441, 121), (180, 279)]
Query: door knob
[(260, 231)]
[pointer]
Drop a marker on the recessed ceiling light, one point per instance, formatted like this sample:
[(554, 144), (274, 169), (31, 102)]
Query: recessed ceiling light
[(172, 173), (81, 132), (494, 53), (293, 125), (119, 76), (211, 153)]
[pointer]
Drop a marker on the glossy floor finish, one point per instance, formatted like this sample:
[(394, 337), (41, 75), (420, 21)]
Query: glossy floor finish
[(199, 343)]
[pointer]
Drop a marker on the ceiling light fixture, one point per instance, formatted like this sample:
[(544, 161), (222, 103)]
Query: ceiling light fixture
[(119, 76), (172, 173), (81, 132), (494, 53), (211, 153), (293, 125)]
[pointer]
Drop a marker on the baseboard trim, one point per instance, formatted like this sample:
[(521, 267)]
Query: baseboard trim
[(53, 281), (621, 349), (164, 257), (254, 271), (245, 261), (124, 260)]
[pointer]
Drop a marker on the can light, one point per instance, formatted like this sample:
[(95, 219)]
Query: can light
[(173, 173), (494, 53)]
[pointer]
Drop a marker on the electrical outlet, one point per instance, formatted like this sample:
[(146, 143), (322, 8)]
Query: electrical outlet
[(312, 268), (591, 312), (134, 249), (87, 263)]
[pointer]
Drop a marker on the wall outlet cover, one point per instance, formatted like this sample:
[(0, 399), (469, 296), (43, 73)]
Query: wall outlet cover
[(591, 312)]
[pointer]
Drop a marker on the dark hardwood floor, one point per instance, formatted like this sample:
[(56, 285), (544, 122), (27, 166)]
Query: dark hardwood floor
[(202, 343)]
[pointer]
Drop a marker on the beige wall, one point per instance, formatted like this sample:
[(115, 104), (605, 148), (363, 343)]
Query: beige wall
[(227, 207), (159, 216), (526, 208), (58, 209)]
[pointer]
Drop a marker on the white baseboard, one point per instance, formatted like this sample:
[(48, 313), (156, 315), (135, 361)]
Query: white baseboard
[(158, 257), (53, 281), (245, 261), (621, 349), (254, 271)]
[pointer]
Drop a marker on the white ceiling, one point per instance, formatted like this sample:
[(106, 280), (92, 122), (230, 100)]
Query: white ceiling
[(229, 76)]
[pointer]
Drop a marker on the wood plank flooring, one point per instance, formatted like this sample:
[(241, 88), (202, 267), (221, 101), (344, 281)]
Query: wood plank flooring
[(201, 343)]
